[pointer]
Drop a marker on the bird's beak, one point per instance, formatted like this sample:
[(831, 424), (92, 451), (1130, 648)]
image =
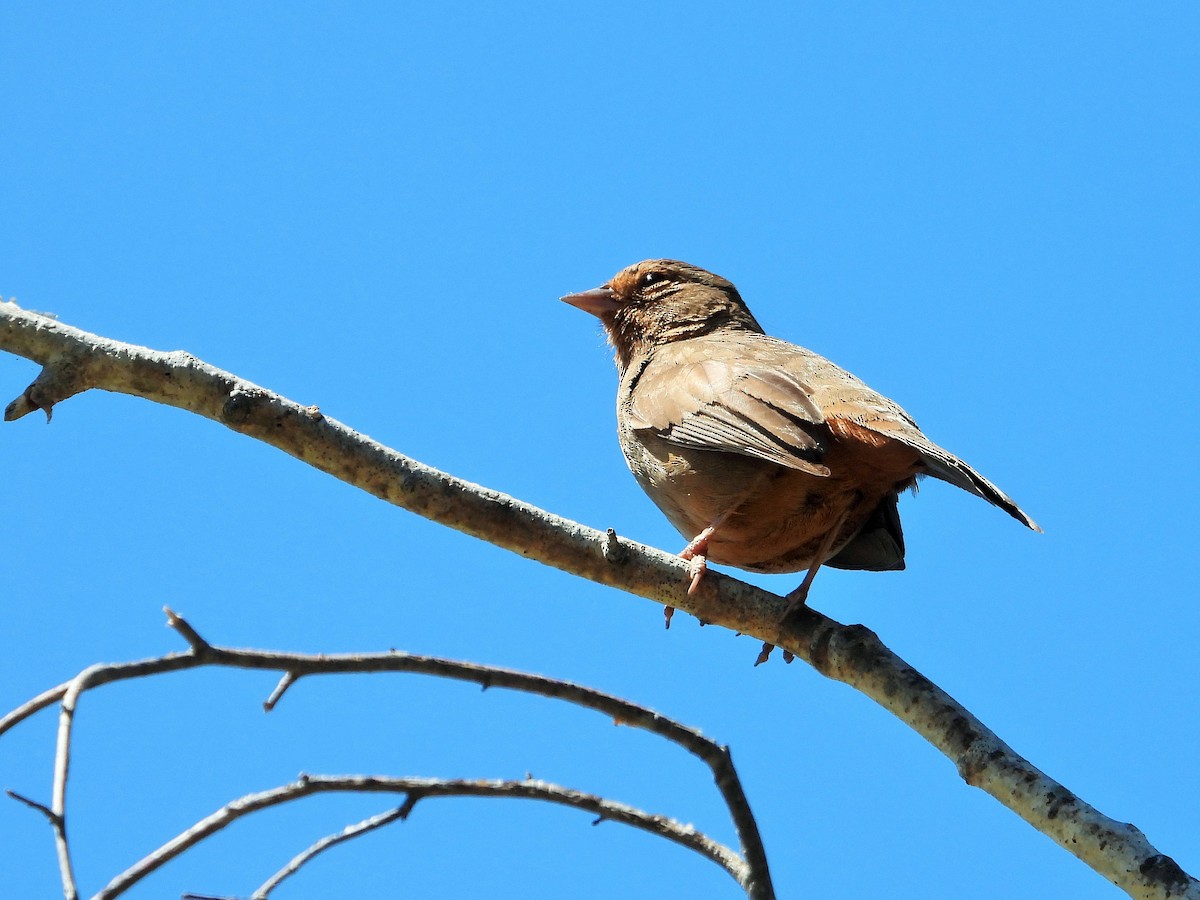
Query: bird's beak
[(597, 301)]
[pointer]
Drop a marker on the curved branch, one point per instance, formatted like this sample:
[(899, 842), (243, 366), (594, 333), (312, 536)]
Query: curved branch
[(170, 662), (62, 766), (46, 698), (753, 872), (74, 360), (346, 834), (419, 789)]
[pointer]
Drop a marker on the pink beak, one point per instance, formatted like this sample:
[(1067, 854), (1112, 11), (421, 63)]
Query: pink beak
[(597, 301)]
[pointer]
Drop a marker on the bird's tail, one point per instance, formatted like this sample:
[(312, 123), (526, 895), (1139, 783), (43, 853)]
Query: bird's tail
[(949, 467)]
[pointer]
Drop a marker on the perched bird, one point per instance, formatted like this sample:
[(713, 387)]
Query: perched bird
[(764, 455)]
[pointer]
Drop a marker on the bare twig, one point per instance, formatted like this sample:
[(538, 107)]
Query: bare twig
[(424, 788), (33, 705), (348, 833), (170, 662), (198, 644), (73, 360), (753, 873), (33, 804), (288, 679), (62, 767)]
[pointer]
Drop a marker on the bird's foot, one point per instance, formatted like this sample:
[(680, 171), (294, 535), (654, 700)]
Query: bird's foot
[(696, 552), (795, 600), (698, 546), (668, 612), (697, 566), (764, 654)]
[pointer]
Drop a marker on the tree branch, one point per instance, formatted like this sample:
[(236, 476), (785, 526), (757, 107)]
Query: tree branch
[(73, 360), (348, 833), (750, 870), (422, 788)]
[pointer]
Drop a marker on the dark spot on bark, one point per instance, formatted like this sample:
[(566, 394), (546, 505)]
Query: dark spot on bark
[(1056, 802), (819, 650), (1166, 872), (238, 408), (860, 634), (962, 733)]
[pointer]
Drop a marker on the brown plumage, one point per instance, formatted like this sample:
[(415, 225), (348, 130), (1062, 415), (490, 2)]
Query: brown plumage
[(764, 455)]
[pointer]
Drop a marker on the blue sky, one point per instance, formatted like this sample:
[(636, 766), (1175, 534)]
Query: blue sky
[(988, 212)]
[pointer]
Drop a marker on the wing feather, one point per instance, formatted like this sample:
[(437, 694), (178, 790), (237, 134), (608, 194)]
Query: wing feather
[(734, 406)]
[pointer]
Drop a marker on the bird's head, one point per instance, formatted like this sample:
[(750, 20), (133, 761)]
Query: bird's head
[(658, 301)]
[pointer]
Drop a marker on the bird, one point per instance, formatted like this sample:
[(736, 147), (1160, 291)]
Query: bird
[(764, 455)]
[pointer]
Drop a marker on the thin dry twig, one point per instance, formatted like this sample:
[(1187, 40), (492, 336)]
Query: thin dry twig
[(751, 869), (424, 788), (62, 767), (33, 804), (73, 360), (33, 705), (346, 834), (288, 679), (198, 644)]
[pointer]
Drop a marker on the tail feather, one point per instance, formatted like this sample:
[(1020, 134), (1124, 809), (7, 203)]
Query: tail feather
[(879, 546), (951, 469)]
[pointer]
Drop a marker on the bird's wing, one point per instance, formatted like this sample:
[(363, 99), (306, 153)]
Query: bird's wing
[(763, 397), (734, 405), (855, 412)]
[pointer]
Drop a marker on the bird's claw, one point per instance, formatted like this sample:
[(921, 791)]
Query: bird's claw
[(698, 546), (764, 654), (795, 600), (696, 553)]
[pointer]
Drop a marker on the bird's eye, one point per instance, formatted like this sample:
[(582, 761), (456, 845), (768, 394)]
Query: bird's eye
[(651, 278)]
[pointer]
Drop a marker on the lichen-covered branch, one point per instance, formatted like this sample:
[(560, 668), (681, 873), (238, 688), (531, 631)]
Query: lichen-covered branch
[(73, 361)]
